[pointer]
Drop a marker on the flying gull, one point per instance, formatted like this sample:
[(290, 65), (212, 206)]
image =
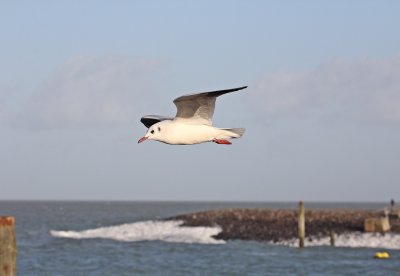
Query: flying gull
[(192, 123)]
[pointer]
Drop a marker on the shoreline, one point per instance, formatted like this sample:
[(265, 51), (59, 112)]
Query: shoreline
[(280, 224)]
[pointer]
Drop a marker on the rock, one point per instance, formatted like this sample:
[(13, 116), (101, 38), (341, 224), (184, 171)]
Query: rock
[(279, 224), (395, 213), (380, 225)]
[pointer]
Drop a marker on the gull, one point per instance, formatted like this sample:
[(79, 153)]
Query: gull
[(192, 123)]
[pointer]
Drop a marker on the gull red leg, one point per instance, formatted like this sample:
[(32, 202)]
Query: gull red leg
[(221, 141)]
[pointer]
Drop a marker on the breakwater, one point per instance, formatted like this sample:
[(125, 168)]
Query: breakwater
[(280, 224)]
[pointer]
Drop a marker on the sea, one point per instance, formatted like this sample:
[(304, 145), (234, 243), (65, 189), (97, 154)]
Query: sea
[(133, 238)]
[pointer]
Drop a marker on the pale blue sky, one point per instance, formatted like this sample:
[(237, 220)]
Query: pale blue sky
[(322, 110)]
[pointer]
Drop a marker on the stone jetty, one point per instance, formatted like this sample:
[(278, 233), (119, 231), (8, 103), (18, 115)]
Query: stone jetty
[(280, 224)]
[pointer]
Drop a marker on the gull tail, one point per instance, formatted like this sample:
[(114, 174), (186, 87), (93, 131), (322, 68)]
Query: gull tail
[(236, 132)]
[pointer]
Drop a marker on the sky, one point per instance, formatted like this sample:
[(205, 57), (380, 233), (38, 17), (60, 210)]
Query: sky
[(321, 111)]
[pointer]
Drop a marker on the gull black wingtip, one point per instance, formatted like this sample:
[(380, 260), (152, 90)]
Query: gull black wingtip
[(238, 88), (150, 120), (233, 89), (222, 92)]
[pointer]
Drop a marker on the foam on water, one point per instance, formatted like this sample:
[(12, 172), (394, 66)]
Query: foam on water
[(169, 231), (367, 240)]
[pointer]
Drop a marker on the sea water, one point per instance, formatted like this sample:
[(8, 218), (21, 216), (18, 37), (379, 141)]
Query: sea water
[(132, 238)]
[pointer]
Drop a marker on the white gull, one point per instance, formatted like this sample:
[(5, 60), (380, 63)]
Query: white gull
[(192, 123)]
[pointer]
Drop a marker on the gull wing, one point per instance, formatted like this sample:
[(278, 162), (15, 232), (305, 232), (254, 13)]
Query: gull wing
[(199, 108), (150, 120)]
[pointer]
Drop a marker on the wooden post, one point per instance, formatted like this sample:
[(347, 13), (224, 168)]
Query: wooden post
[(8, 247), (302, 224), (332, 235)]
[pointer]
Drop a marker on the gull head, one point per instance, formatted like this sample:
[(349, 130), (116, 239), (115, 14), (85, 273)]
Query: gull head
[(153, 133)]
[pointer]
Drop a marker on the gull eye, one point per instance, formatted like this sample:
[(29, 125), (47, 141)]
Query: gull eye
[(159, 129), (152, 131)]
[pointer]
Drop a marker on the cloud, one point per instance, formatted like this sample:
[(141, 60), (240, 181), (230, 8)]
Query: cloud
[(90, 91), (363, 90), (9, 94), (3, 98)]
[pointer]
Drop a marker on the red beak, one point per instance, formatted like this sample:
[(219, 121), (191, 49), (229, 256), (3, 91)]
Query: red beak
[(142, 139)]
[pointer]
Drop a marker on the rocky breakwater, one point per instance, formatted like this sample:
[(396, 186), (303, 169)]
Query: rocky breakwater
[(277, 224)]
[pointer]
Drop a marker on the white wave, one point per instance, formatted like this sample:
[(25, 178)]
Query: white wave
[(169, 231), (367, 240)]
